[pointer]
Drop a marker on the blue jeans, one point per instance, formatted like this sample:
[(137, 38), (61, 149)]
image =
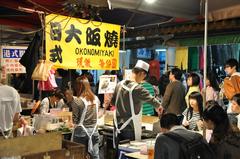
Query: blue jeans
[(80, 136)]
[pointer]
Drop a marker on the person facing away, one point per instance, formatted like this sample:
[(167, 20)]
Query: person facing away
[(173, 99), (148, 109), (154, 82), (85, 115), (128, 98), (212, 89), (193, 81), (163, 82), (10, 108), (224, 141), (194, 112), (166, 147)]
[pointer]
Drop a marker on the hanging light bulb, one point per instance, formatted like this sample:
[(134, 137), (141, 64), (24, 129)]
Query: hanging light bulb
[(150, 1)]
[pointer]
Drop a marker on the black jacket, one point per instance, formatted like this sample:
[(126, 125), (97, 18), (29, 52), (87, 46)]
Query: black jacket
[(31, 56)]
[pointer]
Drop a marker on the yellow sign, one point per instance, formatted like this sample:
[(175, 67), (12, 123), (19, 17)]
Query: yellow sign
[(73, 43)]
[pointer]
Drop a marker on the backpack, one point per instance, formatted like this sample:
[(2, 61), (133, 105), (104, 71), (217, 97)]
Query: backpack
[(229, 147), (196, 148), (231, 86)]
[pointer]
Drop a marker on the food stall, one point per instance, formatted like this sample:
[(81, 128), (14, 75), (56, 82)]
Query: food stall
[(50, 145), (150, 128)]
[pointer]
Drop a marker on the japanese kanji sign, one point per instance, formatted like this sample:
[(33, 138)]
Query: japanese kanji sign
[(10, 56), (73, 43)]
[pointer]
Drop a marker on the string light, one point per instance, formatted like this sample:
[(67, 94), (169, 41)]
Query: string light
[(150, 1)]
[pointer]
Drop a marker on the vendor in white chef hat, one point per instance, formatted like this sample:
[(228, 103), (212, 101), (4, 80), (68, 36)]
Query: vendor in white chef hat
[(128, 98)]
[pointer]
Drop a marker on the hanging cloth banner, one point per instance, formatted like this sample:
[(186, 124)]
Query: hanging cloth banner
[(181, 59), (73, 43), (193, 59), (171, 55)]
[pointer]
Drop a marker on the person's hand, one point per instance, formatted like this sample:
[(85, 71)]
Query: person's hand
[(159, 110), (200, 125), (101, 112), (185, 122), (104, 111), (71, 125), (22, 122)]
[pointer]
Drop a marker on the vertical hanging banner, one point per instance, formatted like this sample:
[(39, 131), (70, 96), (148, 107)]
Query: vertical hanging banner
[(73, 43), (10, 56)]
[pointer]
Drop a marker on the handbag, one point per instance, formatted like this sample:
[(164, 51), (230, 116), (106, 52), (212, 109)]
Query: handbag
[(41, 71)]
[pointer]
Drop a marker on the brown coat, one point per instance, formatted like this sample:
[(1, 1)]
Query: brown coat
[(231, 86), (174, 98)]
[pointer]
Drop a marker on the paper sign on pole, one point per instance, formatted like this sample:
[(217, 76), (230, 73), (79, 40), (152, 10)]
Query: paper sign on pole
[(127, 74), (107, 84)]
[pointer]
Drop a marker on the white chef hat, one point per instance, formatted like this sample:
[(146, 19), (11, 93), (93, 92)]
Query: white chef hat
[(143, 65)]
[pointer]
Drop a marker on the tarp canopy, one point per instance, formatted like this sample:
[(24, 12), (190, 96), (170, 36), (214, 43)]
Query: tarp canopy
[(131, 13), (218, 9)]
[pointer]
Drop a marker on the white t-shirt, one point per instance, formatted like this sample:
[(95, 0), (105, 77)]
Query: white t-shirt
[(9, 105), (45, 105)]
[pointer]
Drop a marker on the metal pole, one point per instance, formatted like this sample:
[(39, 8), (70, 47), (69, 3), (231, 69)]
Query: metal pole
[(166, 61), (205, 44), (205, 56), (124, 47)]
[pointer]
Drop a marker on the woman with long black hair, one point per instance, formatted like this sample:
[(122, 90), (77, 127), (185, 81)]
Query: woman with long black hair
[(194, 112), (212, 89), (224, 141)]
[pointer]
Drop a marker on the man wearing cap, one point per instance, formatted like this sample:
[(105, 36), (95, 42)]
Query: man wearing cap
[(128, 99)]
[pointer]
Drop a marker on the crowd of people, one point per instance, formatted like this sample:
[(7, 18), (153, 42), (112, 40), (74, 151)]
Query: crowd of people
[(219, 122), (183, 110)]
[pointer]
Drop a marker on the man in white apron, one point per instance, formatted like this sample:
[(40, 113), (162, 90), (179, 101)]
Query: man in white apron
[(128, 99)]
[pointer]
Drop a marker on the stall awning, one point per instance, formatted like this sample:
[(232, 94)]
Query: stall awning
[(215, 40), (183, 8)]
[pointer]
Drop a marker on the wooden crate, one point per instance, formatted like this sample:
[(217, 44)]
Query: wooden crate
[(69, 150), (25, 145), (77, 150)]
